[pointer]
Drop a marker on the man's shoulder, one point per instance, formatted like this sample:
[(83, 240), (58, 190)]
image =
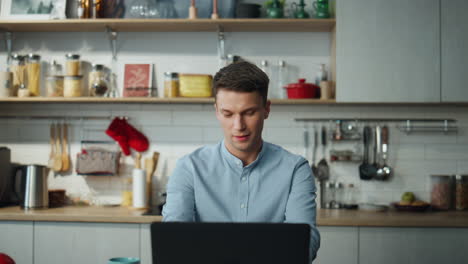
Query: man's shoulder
[(279, 153), (204, 153)]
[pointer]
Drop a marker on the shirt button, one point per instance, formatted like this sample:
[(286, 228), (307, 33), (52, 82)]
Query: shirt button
[(239, 163), (242, 206), (244, 178)]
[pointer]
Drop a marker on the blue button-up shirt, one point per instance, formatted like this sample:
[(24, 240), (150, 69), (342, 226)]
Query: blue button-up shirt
[(212, 185)]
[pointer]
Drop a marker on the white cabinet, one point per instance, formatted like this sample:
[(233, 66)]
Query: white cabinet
[(338, 245), (145, 244), (388, 50), (413, 245), (16, 240), (454, 30), (78, 243)]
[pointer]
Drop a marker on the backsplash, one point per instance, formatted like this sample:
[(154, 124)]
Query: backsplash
[(175, 130)]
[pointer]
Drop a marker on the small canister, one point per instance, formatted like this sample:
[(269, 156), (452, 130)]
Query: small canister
[(33, 69), (442, 192), (171, 84), (461, 192), (97, 83), (72, 86), (54, 86), (73, 64)]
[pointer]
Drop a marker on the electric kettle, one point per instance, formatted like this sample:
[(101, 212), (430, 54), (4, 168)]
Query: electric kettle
[(31, 186)]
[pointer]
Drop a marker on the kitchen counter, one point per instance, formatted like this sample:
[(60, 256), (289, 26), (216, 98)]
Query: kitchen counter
[(324, 217)]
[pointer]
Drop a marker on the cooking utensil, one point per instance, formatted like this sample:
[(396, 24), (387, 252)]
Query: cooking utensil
[(150, 167), (65, 157), (50, 163), (375, 165), (305, 136), (385, 171), (215, 10), (192, 10), (138, 161), (323, 171), (314, 153), (365, 169), (31, 186), (58, 151)]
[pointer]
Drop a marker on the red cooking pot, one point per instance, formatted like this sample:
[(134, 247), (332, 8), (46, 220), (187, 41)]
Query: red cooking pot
[(302, 90)]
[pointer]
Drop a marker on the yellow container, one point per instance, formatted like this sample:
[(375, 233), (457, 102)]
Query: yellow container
[(195, 85)]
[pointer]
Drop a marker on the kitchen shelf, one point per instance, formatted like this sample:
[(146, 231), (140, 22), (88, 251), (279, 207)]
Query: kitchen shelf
[(169, 25), (149, 100)]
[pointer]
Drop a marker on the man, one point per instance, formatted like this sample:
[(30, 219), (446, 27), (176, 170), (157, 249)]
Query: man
[(242, 178)]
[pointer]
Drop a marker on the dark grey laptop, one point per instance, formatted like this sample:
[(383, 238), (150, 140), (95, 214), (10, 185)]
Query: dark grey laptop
[(230, 243)]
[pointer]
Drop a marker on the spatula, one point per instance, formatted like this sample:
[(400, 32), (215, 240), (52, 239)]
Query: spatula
[(50, 163), (58, 151), (323, 171), (65, 157)]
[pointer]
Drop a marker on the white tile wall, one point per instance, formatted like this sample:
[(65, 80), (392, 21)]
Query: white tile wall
[(176, 130)]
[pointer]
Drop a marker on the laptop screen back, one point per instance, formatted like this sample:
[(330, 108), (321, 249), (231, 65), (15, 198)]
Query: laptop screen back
[(230, 243)]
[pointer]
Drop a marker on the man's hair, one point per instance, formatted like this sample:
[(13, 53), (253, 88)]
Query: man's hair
[(242, 77)]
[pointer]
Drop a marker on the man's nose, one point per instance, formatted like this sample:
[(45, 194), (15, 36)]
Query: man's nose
[(239, 123)]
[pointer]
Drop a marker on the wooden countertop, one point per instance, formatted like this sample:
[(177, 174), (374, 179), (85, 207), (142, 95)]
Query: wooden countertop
[(78, 214), (324, 217)]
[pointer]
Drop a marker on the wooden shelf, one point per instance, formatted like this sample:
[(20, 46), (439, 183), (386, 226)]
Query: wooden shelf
[(149, 100), (170, 25)]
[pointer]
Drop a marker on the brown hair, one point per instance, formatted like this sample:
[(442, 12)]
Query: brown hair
[(242, 77)]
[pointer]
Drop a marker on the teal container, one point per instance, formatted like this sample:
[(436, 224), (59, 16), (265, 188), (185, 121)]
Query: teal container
[(124, 261)]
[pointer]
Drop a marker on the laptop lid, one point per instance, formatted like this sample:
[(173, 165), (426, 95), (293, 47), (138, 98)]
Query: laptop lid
[(230, 243)]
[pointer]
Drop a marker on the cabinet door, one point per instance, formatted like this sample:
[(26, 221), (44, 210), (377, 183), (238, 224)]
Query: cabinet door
[(388, 51), (78, 243), (16, 240), (338, 245), (454, 52), (145, 244), (413, 245)]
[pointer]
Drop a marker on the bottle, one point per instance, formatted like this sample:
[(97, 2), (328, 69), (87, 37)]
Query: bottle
[(171, 84), (266, 69), (127, 193), (18, 69), (282, 80), (33, 69), (55, 68), (321, 75), (98, 85)]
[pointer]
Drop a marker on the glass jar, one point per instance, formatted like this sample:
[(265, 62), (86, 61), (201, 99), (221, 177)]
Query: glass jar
[(33, 69), (171, 84), (339, 195), (55, 68), (329, 195), (461, 192), (127, 193), (98, 84), (73, 64), (442, 191), (54, 86), (18, 69), (350, 200), (72, 86)]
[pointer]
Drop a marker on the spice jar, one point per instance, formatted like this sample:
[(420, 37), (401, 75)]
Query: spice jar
[(33, 69), (442, 191), (171, 84), (18, 69), (73, 64), (72, 86), (54, 86), (461, 192), (98, 85)]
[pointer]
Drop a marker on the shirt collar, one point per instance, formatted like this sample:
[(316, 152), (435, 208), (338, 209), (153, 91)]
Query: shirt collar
[(235, 161)]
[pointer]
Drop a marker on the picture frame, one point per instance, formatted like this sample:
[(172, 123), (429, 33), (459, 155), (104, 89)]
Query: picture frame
[(33, 9), (137, 80)]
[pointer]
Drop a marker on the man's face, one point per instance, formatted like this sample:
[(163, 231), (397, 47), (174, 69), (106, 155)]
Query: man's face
[(241, 115)]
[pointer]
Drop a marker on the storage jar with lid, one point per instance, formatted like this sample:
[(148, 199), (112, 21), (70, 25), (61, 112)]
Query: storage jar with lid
[(73, 64), (54, 86), (18, 69), (171, 84), (461, 192), (98, 84), (442, 192), (33, 69), (72, 86)]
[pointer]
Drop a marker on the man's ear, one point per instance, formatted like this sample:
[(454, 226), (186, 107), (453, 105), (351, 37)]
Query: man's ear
[(267, 108)]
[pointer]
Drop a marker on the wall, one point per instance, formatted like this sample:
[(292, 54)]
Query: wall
[(175, 130)]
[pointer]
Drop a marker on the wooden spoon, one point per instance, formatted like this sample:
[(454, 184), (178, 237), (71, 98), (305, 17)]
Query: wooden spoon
[(65, 157), (150, 166), (58, 151), (50, 163), (215, 10), (138, 161)]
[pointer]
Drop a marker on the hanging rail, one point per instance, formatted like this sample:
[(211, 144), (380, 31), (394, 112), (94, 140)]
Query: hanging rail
[(63, 117)]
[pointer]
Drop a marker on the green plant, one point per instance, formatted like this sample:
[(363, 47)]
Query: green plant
[(268, 3)]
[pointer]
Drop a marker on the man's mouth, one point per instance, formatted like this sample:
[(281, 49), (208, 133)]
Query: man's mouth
[(241, 138)]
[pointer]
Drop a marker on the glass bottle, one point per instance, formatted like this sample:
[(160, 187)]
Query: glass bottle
[(33, 69), (266, 69), (17, 68), (55, 68), (171, 84), (321, 75), (338, 195), (282, 80)]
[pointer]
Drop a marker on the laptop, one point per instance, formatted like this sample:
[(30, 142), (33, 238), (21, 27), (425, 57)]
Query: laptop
[(230, 243)]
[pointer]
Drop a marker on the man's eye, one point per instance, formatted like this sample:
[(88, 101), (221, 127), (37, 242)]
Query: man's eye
[(227, 115), (249, 113)]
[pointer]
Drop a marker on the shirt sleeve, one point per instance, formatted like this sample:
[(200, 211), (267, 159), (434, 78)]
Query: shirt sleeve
[(301, 206), (180, 200)]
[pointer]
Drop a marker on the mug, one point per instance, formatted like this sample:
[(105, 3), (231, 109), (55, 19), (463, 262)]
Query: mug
[(124, 261), (6, 89)]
